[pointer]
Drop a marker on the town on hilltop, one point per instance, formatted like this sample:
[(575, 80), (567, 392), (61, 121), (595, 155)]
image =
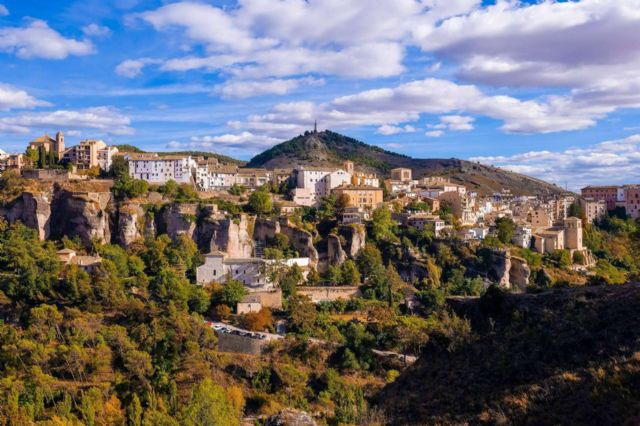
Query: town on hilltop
[(320, 249)]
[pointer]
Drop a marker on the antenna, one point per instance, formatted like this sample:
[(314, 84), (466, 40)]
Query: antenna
[(315, 126)]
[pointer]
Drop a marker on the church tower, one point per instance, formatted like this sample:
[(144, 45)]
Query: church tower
[(59, 148)]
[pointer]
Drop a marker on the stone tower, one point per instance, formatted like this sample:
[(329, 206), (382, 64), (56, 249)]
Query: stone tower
[(59, 148), (573, 233)]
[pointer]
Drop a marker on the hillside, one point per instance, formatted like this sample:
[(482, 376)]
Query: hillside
[(329, 148), (568, 356)]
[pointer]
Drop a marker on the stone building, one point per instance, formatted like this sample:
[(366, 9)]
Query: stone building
[(364, 197), (47, 144)]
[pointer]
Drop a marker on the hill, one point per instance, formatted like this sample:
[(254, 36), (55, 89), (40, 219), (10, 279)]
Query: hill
[(566, 356), (328, 148)]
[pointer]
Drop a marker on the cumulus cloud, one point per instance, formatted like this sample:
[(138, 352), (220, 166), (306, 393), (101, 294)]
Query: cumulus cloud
[(393, 130), (38, 40), (245, 141), (133, 67), (105, 119), (618, 160), (434, 133), (401, 105), (13, 98), (456, 123), (95, 30), (263, 38), (245, 89)]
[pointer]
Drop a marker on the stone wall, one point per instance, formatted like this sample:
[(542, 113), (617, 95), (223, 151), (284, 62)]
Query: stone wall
[(240, 344), (329, 294)]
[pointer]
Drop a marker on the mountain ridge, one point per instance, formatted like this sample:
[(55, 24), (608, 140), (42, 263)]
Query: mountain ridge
[(327, 148)]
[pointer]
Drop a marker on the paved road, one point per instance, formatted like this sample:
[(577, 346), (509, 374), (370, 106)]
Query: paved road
[(222, 327)]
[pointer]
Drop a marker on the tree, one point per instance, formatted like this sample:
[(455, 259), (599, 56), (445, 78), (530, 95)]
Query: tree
[(369, 259), (134, 412), (505, 227), (260, 202), (290, 280), (231, 293), (211, 404), (382, 225), (258, 321), (302, 314), (350, 274)]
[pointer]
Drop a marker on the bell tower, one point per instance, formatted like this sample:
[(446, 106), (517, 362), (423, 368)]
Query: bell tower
[(59, 144)]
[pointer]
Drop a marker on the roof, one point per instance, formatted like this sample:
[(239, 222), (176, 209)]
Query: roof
[(223, 168), (86, 260), (251, 298), (357, 188), (154, 156), (65, 251), (42, 139)]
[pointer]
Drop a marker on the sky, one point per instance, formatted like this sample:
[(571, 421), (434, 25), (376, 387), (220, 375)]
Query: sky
[(547, 88)]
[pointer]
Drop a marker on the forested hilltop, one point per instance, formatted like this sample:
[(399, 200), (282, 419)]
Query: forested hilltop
[(329, 148)]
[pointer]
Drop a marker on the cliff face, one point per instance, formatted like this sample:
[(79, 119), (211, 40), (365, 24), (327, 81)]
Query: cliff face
[(95, 215), (81, 214), (301, 240), (509, 271), (32, 209)]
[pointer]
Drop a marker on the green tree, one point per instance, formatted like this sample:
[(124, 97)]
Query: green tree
[(350, 274), (260, 202), (210, 404), (382, 225), (231, 293), (505, 228)]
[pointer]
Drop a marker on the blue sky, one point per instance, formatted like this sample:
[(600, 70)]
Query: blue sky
[(549, 89)]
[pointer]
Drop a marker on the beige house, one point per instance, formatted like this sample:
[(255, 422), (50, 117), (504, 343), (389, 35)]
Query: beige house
[(401, 174), (366, 197), (89, 154)]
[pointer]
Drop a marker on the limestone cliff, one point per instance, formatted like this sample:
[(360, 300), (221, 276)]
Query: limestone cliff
[(300, 239), (509, 271), (131, 223), (32, 209), (335, 254), (85, 215)]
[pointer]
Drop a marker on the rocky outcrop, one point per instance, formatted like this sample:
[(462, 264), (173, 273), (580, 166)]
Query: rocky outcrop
[(519, 274), (179, 219), (509, 271), (300, 239), (85, 215), (217, 232), (355, 238), (291, 418), (32, 209), (335, 254), (131, 223)]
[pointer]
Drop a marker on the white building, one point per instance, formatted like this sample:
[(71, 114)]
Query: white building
[(154, 168), (320, 181), (252, 272), (522, 236), (105, 157), (215, 177)]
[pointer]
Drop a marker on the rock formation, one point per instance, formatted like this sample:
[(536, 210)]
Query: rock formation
[(509, 271)]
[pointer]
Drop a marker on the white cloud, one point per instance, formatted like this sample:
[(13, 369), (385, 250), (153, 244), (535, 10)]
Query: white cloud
[(245, 89), (393, 130), (13, 98), (95, 30), (133, 67), (3, 10), (38, 40), (247, 142), (407, 102), (434, 133), (458, 123), (105, 119), (618, 160)]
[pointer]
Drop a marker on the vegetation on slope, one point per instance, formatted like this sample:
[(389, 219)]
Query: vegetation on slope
[(330, 148)]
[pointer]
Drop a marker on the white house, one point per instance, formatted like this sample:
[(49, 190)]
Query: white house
[(320, 181), (215, 177), (154, 168), (252, 272)]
